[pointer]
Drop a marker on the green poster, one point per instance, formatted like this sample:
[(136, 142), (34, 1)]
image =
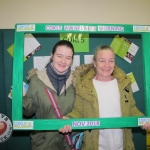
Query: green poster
[(80, 41), (132, 77), (123, 49), (116, 43), (10, 50)]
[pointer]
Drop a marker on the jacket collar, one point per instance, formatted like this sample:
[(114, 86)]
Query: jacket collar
[(42, 75), (118, 74), (85, 84)]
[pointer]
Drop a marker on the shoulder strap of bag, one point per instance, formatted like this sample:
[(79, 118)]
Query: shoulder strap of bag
[(57, 112), (54, 103)]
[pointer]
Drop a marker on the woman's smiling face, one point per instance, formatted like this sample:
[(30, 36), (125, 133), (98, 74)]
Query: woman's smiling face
[(62, 59), (104, 64)]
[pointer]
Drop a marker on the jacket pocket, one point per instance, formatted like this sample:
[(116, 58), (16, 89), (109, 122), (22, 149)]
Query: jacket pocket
[(37, 138)]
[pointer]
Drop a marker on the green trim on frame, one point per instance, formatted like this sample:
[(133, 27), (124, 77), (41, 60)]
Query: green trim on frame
[(83, 123)]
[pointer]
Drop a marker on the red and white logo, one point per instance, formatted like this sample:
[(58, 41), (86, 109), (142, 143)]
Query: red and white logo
[(5, 128)]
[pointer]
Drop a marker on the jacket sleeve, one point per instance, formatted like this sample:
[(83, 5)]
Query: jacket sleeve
[(77, 111), (134, 111), (29, 105)]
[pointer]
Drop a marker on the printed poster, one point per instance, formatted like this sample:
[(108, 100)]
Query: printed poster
[(134, 85), (25, 88), (124, 48), (80, 41), (31, 45), (88, 59)]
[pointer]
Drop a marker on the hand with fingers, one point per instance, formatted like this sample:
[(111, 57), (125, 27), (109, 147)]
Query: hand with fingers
[(146, 126), (66, 128)]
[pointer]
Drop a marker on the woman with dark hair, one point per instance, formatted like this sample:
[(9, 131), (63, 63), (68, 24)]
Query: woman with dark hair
[(57, 78)]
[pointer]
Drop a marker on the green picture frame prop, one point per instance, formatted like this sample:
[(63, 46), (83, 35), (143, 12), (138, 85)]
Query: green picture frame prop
[(83, 123)]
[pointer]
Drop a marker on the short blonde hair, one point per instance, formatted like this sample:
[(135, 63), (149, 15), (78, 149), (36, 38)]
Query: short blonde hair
[(101, 48)]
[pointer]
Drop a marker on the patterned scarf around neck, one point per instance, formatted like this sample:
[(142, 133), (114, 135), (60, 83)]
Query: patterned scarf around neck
[(57, 80)]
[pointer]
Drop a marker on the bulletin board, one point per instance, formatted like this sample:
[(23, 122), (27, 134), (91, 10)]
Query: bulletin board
[(99, 34)]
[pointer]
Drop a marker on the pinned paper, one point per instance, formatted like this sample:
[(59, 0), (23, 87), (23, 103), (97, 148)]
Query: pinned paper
[(134, 85), (10, 50), (76, 62), (88, 59), (31, 45), (25, 88), (40, 62), (80, 41), (124, 48)]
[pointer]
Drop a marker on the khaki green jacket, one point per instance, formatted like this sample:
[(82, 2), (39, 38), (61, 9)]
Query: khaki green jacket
[(37, 102), (86, 106)]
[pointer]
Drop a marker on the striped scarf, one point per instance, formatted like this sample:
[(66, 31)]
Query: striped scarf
[(57, 80)]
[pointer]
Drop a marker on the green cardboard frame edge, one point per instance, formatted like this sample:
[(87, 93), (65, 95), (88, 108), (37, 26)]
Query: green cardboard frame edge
[(54, 124)]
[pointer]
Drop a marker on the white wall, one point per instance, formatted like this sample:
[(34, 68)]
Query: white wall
[(74, 11)]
